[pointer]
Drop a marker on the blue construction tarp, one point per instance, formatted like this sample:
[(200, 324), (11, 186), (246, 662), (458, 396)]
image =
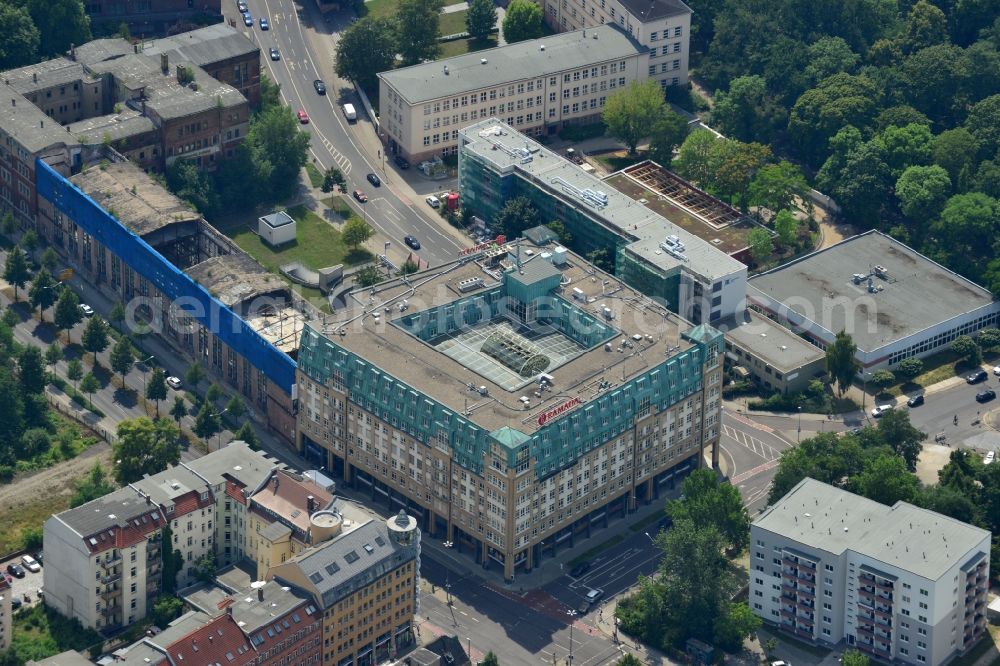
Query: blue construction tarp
[(173, 283)]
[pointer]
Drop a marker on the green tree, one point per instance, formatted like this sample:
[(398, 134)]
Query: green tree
[(417, 30), (74, 371), (922, 192), (19, 38), (853, 657), (16, 271), (825, 457), (204, 569), (786, 225), (31, 370), (278, 149), (829, 56), (988, 338), (734, 625), (886, 479), (144, 447), (926, 25), (667, 135), (480, 18), (965, 220), (523, 20), (53, 354), (761, 245), (95, 484), (910, 368), (954, 150), (166, 609), (631, 113), (694, 159), (897, 432), (906, 146), (270, 92), (179, 409), (882, 379), (90, 386), (67, 313), (517, 215), (207, 422), (367, 276), (365, 49), (95, 337), (859, 181), (628, 659), (983, 122), (117, 316), (936, 93), (29, 241), (747, 111), (840, 361), (707, 502), (172, 561), (776, 186), (43, 292), (967, 348), (900, 115), (356, 231), (60, 23), (189, 182), (213, 393), (986, 180), (559, 229), (819, 113), (734, 165), (247, 434), (50, 259), (194, 374), (236, 408), (408, 267), (490, 660), (122, 357), (156, 389)]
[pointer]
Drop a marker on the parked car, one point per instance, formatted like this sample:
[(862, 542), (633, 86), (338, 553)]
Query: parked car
[(880, 410), (174, 383), (242, 7), (412, 242), (990, 457), (86, 310), (996, 371), (360, 196), (986, 396), (303, 116), (15, 570), (15, 603), (31, 564), (264, 25), (275, 53), (374, 180), (401, 162), (580, 569), (433, 201), (319, 86), (247, 19), (916, 401), (977, 377)]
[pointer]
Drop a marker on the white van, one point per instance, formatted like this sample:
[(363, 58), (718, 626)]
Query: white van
[(350, 113)]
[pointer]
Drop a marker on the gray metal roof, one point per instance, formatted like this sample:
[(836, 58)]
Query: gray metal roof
[(249, 612), (164, 488), (204, 46), (28, 125), (68, 658), (115, 509), (652, 10), (114, 126), (919, 292), (278, 219), (352, 561), (511, 63), (627, 217), (533, 269), (827, 518), (235, 460), (98, 50)]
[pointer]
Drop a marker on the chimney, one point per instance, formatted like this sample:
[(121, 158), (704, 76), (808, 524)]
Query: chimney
[(210, 637), (34, 77), (229, 610), (72, 51), (13, 101), (164, 63), (41, 123), (275, 479), (148, 499), (260, 594), (310, 501)]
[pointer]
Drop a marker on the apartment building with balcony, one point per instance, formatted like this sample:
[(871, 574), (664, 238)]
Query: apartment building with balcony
[(901, 584), (537, 86), (662, 26)]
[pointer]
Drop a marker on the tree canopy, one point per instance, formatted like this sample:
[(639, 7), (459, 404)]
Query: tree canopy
[(365, 49), (481, 18), (522, 20), (633, 112), (144, 447), (417, 30), (840, 361)]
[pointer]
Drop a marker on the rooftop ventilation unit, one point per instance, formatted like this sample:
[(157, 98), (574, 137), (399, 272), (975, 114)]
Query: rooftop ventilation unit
[(672, 245), (483, 61), (470, 284), (522, 154), (592, 197)]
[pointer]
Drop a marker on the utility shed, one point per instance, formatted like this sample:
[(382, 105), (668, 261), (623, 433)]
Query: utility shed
[(276, 228)]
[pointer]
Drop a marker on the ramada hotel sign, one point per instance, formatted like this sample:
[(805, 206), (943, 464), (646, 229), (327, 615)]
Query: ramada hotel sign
[(544, 417), (500, 240)]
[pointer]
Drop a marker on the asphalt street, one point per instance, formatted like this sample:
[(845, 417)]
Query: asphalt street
[(306, 43)]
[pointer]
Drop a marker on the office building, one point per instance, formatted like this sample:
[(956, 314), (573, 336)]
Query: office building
[(770, 355), (901, 584), (537, 86), (648, 251), (512, 402), (662, 26), (895, 302), (365, 580)]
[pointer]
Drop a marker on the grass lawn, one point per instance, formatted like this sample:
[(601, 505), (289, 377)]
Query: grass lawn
[(315, 175), (380, 8), (452, 23), (39, 633), (460, 46), (339, 206), (317, 245), (937, 368), (28, 514), (619, 160)]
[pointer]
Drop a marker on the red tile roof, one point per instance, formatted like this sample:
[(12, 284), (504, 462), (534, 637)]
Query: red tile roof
[(218, 641), (235, 490), (190, 501), (125, 534)]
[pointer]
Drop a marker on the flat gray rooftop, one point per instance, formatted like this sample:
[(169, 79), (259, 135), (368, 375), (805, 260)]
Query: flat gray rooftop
[(238, 461), (236, 278), (138, 201), (115, 126), (918, 293), (651, 10), (115, 509), (770, 341), (45, 74), (29, 125), (204, 46), (622, 214), (511, 63), (827, 518), (249, 611)]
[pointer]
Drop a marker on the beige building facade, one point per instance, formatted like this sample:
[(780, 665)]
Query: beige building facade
[(536, 86)]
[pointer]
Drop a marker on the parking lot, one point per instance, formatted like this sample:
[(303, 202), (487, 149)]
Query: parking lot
[(29, 585)]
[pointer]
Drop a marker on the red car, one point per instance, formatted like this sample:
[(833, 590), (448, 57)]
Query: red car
[(360, 196), (303, 116)]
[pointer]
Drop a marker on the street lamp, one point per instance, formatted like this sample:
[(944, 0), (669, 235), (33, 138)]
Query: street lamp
[(798, 434), (572, 616), (218, 445), (447, 574), (864, 389), (650, 538), (143, 362)]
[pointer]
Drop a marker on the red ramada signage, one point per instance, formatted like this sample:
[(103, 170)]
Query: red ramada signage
[(500, 240), (544, 417)]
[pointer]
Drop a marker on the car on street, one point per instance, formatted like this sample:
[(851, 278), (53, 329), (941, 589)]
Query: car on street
[(401, 162), (915, 401), (374, 180), (275, 53), (319, 86), (360, 196), (990, 457), (242, 7), (986, 396), (264, 25), (174, 383), (247, 19), (86, 310), (880, 410), (31, 564), (15, 570), (412, 242), (977, 377), (433, 201), (303, 116), (781, 663), (579, 569), (996, 371)]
